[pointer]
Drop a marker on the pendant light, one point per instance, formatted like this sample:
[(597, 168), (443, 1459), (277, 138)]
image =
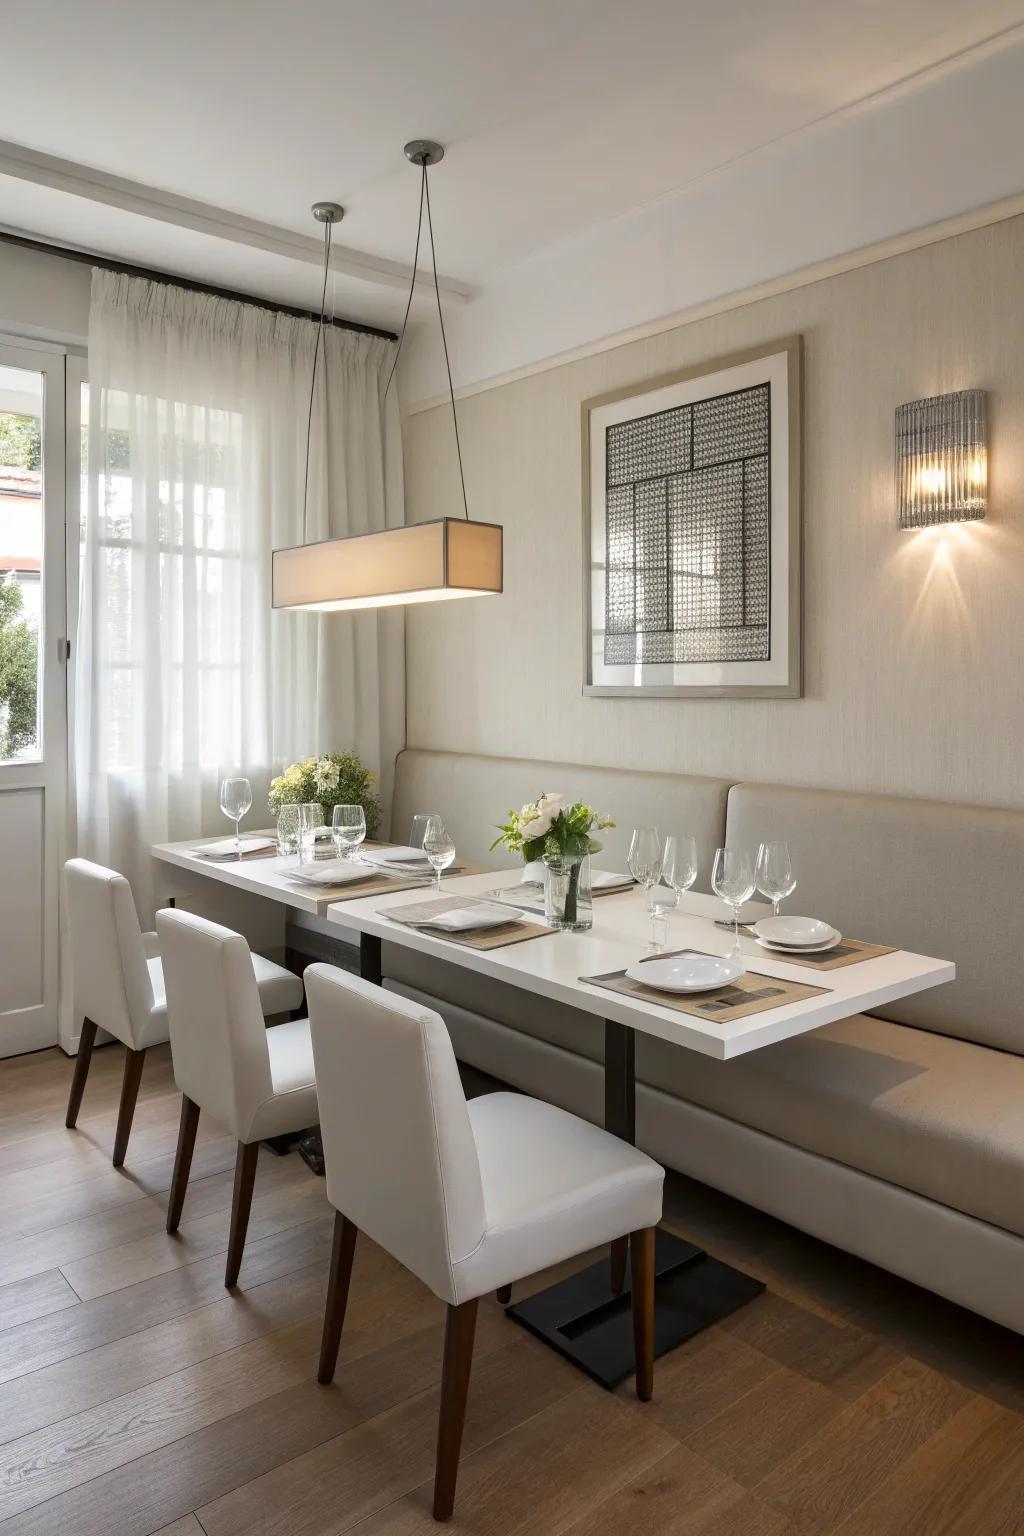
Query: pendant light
[(421, 562)]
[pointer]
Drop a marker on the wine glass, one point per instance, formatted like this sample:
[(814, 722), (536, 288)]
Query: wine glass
[(644, 859), (773, 873), (235, 800), (679, 863), (438, 847), (733, 880), (419, 828), (348, 826)]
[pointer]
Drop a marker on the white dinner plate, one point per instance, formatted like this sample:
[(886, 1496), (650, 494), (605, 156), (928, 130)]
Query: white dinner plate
[(799, 949), (227, 848), (331, 872), (486, 914), (687, 973), (795, 932)]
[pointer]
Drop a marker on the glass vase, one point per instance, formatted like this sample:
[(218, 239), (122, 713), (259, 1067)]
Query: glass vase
[(568, 899)]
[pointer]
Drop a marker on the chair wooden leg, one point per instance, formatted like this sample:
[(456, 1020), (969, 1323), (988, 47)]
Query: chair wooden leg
[(459, 1328), (86, 1040), (134, 1061), (619, 1254), (345, 1234), (504, 1295), (241, 1204), (641, 1247), (187, 1128)]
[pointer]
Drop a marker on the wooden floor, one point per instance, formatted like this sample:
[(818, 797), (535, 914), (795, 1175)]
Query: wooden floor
[(137, 1397)]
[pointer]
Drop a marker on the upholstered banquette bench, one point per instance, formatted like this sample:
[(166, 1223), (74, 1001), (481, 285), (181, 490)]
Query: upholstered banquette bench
[(900, 1139)]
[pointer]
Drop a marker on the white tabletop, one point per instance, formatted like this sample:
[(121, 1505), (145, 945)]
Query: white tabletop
[(551, 965)]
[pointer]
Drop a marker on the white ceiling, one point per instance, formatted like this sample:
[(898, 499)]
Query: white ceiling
[(557, 117)]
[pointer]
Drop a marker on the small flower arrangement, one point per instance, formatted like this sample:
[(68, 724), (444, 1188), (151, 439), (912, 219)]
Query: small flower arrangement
[(335, 778), (549, 828)]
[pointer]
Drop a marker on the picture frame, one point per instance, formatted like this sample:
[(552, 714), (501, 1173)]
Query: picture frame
[(692, 531)]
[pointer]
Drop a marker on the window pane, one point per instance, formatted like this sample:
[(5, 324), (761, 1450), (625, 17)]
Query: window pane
[(21, 561)]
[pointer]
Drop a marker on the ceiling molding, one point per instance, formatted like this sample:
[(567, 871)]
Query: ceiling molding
[(832, 266), (207, 219)]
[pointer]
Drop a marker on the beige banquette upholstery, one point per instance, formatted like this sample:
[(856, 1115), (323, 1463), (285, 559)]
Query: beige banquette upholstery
[(900, 1138)]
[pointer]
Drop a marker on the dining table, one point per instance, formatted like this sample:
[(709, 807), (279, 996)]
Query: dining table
[(586, 1317)]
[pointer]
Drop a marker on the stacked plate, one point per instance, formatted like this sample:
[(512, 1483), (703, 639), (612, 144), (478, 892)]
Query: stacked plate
[(796, 935)]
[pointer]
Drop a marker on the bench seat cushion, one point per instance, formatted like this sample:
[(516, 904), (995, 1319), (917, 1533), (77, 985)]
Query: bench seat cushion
[(938, 1116)]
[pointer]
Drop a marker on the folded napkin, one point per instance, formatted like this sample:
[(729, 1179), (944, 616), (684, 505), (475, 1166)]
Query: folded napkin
[(608, 880), (228, 849), (396, 856), (484, 914), (331, 872)]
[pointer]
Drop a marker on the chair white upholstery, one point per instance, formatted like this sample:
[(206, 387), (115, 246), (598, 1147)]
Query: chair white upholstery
[(256, 1083), (118, 981), (469, 1197)]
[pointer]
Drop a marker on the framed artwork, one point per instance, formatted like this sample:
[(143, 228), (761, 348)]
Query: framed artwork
[(692, 531)]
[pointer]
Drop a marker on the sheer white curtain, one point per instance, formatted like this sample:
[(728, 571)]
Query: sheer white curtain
[(194, 474)]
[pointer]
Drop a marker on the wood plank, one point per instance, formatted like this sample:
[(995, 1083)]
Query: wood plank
[(187, 1526), (765, 1425), (837, 1355), (681, 1495), (134, 1499), (852, 1455), (92, 1323), (696, 1383), (91, 1142), (24, 1300), (365, 1469)]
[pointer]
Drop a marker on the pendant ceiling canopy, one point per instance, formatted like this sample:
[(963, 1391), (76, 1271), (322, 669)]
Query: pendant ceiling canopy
[(422, 562)]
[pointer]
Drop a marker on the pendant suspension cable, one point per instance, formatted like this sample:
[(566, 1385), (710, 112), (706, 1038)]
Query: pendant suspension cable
[(312, 380), (412, 285), (444, 343)]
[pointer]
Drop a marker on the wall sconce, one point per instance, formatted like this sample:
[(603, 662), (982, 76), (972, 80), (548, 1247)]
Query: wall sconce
[(941, 460)]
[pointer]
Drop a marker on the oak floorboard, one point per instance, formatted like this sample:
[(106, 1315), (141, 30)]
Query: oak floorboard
[(836, 1469), (188, 1525), (766, 1425), (24, 1300)]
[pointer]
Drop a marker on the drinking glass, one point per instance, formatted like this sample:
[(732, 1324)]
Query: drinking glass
[(311, 819), (733, 879), (644, 859), (773, 873), (438, 847), (348, 825), (419, 828), (679, 863), (288, 822), (235, 800)]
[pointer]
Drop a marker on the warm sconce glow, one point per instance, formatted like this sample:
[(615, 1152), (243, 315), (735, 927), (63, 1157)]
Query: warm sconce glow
[(420, 563), (941, 460)]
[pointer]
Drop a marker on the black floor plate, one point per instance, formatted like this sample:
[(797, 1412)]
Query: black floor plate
[(589, 1325)]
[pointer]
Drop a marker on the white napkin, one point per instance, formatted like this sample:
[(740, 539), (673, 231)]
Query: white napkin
[(489, 914), (396, 856), (608, 879), (228, 849), (331, 872)]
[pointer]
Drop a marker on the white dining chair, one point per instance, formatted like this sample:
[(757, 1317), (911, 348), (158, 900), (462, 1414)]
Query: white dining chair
[(118, 984), (468, 1196), (255, 1082)]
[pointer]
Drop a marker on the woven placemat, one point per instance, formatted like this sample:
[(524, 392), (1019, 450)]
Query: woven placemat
[(751, 993), (846, 952), (513, 932)]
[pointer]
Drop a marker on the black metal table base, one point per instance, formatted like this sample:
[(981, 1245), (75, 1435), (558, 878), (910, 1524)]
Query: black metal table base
[(586, 1322)]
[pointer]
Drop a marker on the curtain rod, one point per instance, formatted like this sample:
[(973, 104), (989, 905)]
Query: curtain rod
[(90, 259)]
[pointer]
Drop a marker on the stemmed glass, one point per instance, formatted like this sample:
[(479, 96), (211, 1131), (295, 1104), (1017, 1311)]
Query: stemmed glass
[(418, 830), (679, 863), (348, 827), (438, 847), (733, 880), (235, 801), (644, 860), (773, 873)]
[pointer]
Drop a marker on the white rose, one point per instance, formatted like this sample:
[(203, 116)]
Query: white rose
[(542, 815), (326, 774)]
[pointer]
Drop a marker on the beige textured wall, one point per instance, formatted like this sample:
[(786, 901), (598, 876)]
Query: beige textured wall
[(913, 642)]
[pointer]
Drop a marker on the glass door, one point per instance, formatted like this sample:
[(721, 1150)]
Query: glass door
[(33, 692)]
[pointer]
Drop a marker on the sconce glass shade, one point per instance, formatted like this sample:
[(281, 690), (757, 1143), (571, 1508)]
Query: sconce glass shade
[(420, 563), (942, 460)]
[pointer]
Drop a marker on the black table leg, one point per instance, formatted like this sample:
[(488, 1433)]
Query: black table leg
[(583, 1317)]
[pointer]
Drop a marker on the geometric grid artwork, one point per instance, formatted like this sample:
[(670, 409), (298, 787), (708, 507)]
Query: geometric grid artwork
[(688, 532)]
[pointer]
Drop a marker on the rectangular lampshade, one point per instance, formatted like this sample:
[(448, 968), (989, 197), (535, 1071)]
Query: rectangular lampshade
[(420, 563), (941, 459)]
